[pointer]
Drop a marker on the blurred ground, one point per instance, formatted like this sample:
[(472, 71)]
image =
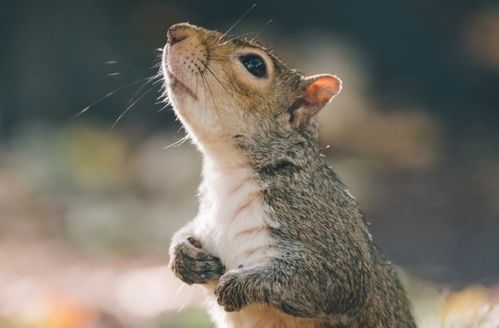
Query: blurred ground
[(86, 210), (86, 222)]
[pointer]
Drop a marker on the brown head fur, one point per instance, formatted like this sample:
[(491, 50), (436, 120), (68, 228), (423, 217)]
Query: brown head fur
[(217, 97)]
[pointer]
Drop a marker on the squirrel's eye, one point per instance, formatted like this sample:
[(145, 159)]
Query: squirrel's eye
[(254, 64)]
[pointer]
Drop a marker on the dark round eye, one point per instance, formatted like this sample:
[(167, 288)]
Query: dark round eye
[(254, 64)]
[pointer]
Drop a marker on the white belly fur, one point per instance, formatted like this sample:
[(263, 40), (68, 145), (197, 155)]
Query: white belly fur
[(232, 225)]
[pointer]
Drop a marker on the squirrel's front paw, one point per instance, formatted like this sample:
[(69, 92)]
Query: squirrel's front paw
[(229, 292), (194, 265)]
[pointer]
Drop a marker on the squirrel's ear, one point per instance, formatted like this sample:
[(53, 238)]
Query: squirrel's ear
[(318, 90)]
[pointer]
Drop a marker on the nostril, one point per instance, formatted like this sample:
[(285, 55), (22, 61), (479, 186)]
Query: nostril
[(174, 35)]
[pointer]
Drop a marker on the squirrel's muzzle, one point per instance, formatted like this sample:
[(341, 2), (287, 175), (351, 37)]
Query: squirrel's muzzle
[(179, 32)]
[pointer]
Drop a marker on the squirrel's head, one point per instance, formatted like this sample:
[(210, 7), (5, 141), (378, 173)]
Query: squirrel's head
[(222, 86)]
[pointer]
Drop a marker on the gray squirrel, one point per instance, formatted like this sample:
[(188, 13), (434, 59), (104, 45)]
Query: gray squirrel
[(278, 240)]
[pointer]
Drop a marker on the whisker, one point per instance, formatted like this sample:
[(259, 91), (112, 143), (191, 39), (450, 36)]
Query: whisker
[(218, 80), (109, 94), (242, 35), (212, 96), (261, 30), (131, 106), (159, 79), (179, 289), (238, 21), (197, 82), (178, 142), (187, 299), (163, 97), (216, 58), (158, 61), (139, 90), (203, 79), (164, 107)]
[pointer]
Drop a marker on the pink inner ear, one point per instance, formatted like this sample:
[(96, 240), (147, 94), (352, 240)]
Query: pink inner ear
[(322, 90)]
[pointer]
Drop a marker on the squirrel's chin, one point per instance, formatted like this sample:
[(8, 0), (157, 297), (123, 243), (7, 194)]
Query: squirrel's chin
[(178, 87)]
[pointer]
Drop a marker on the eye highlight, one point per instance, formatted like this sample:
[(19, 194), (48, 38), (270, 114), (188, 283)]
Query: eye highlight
[(254, 64)]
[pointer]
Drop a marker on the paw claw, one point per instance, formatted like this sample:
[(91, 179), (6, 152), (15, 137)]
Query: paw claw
[(194, 242)]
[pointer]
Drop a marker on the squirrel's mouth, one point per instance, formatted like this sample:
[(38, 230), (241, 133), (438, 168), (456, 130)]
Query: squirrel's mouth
[(178, 86)]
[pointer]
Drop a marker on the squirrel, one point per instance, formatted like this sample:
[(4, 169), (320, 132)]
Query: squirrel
[(278, 240)]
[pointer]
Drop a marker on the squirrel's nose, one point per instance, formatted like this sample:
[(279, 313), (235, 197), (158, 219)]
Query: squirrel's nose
[(179, 32)]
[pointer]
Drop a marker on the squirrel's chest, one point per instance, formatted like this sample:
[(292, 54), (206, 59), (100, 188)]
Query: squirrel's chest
[(232, 220)]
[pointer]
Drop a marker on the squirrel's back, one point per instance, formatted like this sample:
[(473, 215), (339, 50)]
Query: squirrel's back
[(314, 209)]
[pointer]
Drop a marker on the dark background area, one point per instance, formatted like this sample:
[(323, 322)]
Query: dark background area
[(417, 50), (440, 222)]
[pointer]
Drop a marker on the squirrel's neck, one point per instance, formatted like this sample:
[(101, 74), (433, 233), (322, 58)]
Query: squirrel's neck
[(261, 151), (268, 149), (221, 156)]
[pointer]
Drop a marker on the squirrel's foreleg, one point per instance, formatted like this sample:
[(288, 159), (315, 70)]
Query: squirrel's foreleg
[(266, 284), (190, 262), (281, 284)]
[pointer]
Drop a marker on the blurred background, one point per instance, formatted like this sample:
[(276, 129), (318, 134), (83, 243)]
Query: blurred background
[(87, 208)]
